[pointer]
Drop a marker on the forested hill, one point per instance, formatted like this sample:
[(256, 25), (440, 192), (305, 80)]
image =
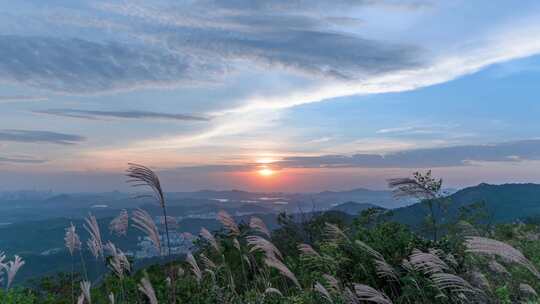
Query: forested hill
[(503, 203)]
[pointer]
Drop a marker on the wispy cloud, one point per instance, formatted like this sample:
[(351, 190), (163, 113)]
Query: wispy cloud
[(89, 114), (28, 136), (21, 160), (437, 157), (423, 158), (399, 130), (274, 34), (448, 130), (200, 42), (17, 98), (81, 66), (171, 44)]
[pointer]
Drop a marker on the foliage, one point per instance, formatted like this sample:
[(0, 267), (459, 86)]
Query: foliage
[(323, 258)]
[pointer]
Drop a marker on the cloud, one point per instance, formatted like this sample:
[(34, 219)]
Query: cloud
[(27, 136), (398, 130), (314, 53), (274, 34), (88, 114), (320, 6), (81, 66), (447, 130), (174, 44), (17, 98), (454, 156), (171, 43), (21, 160), (213, 168), (423, 158)]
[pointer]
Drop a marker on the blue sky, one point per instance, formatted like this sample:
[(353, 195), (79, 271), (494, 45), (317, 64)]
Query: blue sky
[(329, 94)]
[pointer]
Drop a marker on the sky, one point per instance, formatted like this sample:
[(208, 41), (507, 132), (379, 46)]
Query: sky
[(274, 95)]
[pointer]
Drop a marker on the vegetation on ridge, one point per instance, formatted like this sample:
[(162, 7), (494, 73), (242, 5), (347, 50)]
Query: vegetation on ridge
[(320, 259)]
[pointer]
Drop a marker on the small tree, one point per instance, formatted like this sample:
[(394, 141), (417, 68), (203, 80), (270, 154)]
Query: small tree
[(427, 189)]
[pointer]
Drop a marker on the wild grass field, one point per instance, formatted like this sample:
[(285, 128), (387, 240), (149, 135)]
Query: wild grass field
[(315, 258)]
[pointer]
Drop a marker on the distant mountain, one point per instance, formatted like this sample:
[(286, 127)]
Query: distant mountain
[(505, 203), (353, 208), (107, 204), (381, 198)]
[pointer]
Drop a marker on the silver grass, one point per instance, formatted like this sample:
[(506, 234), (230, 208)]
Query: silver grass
[(350, 297), (323, 292), (72, 240), (94, 243), (383, 269), (282, 268), (144, 222), (271, 290), (94, 247), (246, 259), (386, 271), (374, 253), (85, 289), (111, 298), (236, 244), (334, 234), (194, 267), (207, 263), (80, 299), (209, 237), (527, 289), (119, 225), (451, 260), (436, 252), (12, 267), (332, 282), (2, 265), (452, 283), (228, 222), (369, 294), (479, 280), (211, 273), (258, 225), (496, 267), (406, 264), (258, 243), (143, 176), (146, 287), (307, 250), (181, 271), (119, 261), (492, 247), (427, 263)]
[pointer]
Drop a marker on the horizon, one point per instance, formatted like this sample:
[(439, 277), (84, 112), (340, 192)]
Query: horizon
[(271, 96), (134, 190)]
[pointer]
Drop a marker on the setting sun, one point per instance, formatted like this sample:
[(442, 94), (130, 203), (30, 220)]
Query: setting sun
[(266, 172)]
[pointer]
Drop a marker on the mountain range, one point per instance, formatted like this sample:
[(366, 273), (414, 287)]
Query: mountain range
[(501, 203), (34, 225)]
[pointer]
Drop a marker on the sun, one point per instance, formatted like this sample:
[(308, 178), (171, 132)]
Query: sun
[(266, 172)]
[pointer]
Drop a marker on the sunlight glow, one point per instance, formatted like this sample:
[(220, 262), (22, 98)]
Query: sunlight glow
[(266, 172), (265, 160)]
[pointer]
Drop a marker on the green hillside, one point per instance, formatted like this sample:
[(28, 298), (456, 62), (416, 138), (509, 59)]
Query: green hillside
[(502, 204)]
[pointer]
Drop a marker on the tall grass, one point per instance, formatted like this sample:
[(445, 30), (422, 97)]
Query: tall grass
[(143, 176), (337, 267)]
